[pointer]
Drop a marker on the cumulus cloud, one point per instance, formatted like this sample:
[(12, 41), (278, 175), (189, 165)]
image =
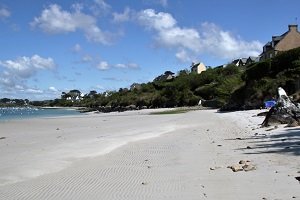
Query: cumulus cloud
[(225, 44), (25, 67), (183, 56), (54, 20), (209, 39), (168, 33), (102, 6), (4, 13), (122, 17), (15, 73)]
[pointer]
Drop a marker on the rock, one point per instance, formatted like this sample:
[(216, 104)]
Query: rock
[(214, 168), (293, 123), (249, 167), (284, 112), (236, 168), (242, 162), (248, 147), (2, 138), (244, 165)]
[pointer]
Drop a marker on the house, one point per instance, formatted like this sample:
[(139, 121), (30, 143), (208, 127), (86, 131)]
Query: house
[(198, 67), (168, 75), (252, 59), (136, 86), (239, 62), (288, 40)]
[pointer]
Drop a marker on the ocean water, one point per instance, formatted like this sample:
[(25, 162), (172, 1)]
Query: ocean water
[(17, 113)]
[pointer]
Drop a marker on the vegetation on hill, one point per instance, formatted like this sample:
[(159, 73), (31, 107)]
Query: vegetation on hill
[(185, 89), (230, 87)]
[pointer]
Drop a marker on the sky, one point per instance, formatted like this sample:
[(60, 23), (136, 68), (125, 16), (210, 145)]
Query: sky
[(52, 46)]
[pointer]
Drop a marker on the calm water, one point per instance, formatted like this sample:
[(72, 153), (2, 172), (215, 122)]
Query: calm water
[(28, 112)]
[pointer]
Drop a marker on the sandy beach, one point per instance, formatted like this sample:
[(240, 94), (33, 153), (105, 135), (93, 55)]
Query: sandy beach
[(135, 155)]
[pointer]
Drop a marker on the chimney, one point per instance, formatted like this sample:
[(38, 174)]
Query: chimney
[(293, 27)]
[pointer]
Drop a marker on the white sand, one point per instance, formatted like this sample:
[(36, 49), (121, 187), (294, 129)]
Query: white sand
[(72, 157)]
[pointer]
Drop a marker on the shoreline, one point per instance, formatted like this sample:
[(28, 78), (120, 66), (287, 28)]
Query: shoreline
[(187, 162)]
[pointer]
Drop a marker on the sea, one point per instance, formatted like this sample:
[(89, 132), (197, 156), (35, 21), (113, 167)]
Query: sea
[(19, 113)]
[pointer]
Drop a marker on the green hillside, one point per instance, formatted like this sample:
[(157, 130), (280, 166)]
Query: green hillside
[(261, 80)]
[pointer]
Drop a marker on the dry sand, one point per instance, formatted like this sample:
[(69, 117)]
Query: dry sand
[(181, 156)]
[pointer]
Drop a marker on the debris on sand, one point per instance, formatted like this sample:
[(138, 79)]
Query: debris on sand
[(242, 166)]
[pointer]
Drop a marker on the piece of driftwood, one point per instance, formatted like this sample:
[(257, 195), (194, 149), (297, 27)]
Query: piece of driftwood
[(284, 112)]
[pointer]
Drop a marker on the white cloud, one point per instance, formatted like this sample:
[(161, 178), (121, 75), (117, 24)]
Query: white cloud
[(87, 58), (103, 65), (78, 7), (54, 20), (127, 66), (34, 91), (76, 48), (14, 74), (158, 21), (53, 89), (122, 17), (225, 44), (210, 39), (168, 33), (4, 13), (24, 67), (102, 4), (183, 56), (100, 87)]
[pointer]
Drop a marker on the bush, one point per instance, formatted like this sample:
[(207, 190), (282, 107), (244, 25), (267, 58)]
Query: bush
[(257, 71)]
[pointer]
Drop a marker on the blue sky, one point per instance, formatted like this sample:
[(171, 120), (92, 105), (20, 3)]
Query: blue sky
[(48, 47)]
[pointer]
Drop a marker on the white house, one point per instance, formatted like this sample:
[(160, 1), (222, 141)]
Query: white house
[(198, 67)]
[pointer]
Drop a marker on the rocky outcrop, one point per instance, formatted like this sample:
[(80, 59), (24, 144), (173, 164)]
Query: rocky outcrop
[(284, 112)]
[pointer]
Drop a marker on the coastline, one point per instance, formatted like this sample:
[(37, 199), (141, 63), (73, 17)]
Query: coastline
[(185, 158)]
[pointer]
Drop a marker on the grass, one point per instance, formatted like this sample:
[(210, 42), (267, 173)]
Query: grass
[(175, 111)]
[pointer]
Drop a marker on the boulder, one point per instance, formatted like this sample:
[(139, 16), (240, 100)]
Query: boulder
[(284, 112)]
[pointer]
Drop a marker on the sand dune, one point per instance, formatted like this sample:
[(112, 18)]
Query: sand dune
[(187, 162)]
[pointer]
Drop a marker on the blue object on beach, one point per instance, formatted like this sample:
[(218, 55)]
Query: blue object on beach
[(270, 104)]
